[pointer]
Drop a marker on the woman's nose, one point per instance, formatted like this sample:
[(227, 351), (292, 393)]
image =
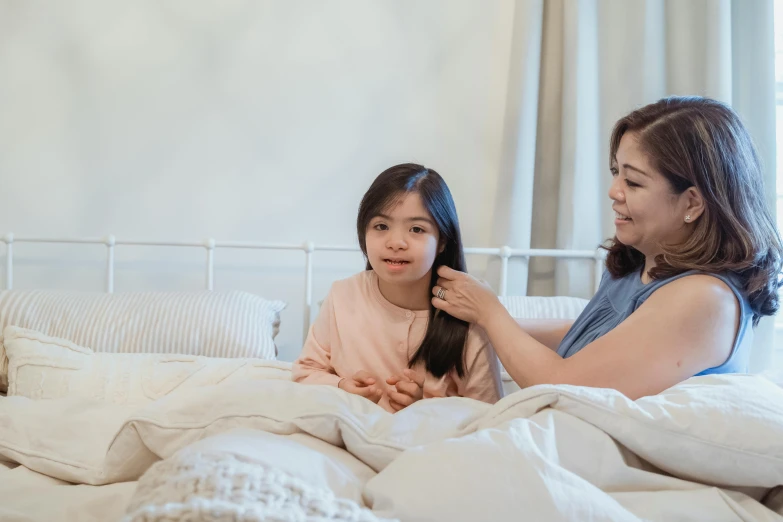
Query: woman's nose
[(615, 191)]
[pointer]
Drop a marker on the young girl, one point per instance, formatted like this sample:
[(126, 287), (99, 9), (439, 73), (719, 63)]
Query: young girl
[(377, 334)]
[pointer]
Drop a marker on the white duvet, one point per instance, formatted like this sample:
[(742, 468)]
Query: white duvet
[(708, 449)]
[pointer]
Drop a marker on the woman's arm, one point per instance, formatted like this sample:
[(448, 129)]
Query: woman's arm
[(549, 332), (685, 327)]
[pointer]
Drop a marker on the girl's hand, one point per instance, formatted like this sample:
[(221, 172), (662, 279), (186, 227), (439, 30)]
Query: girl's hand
[(463, 296), (409, 388), (364, 384)]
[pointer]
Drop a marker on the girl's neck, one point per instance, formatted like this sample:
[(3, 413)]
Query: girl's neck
[(412, 296)]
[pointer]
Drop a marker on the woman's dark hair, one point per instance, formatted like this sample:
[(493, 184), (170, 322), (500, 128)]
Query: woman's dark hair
[(443, 346), (699, 142)]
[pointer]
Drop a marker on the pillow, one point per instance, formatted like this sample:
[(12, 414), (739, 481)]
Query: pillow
[(215, 324), (537, 307), (44, 367)]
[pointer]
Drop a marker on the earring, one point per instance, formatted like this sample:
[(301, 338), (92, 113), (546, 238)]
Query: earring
[(688, 218)]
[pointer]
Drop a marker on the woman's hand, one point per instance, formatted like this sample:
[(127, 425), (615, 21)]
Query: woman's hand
[(463, 296), (364, 384), (409, 386)]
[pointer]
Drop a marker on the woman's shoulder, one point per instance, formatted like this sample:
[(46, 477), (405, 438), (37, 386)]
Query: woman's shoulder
[(696, 295), (696, 283), (692, 281), (701, 308), (702, 282), (700, 293)]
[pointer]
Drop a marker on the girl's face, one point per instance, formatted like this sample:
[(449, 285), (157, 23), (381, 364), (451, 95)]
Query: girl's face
[(647, 213), (402, 242)]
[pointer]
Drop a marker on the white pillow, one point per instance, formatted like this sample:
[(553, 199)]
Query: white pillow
[(44, 367), (215, 324), (537, 307)]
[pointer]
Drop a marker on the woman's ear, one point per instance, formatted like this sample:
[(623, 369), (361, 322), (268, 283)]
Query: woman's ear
[(695, 205), (441, 248)]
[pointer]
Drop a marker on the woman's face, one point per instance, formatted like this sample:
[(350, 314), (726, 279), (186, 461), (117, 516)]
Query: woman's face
[(647, 212)]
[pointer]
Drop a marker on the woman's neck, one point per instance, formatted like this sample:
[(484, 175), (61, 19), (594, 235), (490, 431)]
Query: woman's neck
[(412, 296), (649, 264)]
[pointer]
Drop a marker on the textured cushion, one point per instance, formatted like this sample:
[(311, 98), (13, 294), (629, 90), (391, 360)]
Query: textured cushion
[(215, 485), (214, 324)]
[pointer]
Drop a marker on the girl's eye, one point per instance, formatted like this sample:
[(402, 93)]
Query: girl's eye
[(380, 226), (417, 230), (631, 184)]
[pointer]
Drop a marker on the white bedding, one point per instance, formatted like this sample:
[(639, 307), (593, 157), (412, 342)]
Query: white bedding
[(708, 449), (27, 496)]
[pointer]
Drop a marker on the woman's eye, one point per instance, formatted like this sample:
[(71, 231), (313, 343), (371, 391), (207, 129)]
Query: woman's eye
[(631, 183), (417, 230), (614, 171), (380, 226)]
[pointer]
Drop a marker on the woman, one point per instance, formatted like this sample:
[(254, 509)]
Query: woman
[(693, 266)]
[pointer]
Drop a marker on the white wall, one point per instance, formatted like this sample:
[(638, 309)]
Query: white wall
[(239, 120)]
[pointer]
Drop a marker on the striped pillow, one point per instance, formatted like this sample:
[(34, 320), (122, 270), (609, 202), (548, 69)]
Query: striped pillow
[(45, 367), (212, 324), (538, 307)]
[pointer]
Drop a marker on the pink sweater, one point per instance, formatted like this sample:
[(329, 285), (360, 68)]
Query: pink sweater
[(358, 329)]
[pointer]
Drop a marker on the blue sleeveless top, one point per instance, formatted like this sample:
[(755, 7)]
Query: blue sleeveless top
[(616, 299)]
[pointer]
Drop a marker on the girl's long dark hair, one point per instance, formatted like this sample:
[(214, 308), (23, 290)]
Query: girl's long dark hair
[(443, 346)]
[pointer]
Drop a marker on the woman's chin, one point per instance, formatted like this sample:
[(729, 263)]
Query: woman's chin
[(623, 238)]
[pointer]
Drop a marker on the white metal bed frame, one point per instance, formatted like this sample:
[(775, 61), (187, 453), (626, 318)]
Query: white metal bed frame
[(309, 247)]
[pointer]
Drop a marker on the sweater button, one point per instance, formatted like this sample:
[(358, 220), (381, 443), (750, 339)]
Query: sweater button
[(407, 314)]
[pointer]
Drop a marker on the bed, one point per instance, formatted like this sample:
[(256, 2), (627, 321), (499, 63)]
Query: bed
[(153, 406)]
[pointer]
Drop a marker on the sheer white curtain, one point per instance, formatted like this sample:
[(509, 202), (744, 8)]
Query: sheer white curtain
[(579, 65)]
